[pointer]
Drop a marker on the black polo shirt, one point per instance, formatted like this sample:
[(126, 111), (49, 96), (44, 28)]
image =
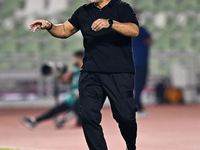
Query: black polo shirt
[(106, 51)]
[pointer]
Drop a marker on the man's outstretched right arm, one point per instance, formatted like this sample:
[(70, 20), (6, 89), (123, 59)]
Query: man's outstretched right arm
[(60, 31)]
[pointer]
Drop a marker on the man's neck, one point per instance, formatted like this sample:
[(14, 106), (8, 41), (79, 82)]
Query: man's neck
[(102, 3)]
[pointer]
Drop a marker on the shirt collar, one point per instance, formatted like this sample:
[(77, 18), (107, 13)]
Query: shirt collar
[(112, 2)]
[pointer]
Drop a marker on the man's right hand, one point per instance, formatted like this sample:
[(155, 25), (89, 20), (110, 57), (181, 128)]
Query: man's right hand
[(39, 24), (59, 30)]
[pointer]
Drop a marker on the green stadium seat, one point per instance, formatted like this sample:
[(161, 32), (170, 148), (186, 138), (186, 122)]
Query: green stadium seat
[(74, 43), (174, 60), (2, 31), (185, 42), (31, 46), (9, 46), (130, 2), (74, 5), (167, 5), (163, 42), (196, 42), (52, 46), (21, 30), (15, 32), (188, 4), (5, 65), (197, 47), (9, 7), (147, 19), (146, 5), (39, 34), (25, 64), (156, 66)]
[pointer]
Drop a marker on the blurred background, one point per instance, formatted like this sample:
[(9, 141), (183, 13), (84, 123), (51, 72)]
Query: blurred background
[(174, 60), (173, 75)]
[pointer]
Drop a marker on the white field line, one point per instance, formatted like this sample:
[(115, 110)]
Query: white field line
[(20, 148)]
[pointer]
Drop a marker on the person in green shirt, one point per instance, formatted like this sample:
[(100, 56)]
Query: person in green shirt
[(69, 105)]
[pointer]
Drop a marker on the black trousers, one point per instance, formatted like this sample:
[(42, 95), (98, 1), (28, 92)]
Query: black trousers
[(94, 87), (75, 108), (53, 112)]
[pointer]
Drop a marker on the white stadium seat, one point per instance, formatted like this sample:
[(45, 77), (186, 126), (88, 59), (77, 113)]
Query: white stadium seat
[(35, 6), (56, 6), (32, 7)]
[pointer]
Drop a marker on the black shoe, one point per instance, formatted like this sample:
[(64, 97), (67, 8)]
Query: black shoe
[(28, 122), (59, 122)]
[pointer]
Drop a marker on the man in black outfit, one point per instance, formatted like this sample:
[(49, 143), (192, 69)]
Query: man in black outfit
[(108, 69)]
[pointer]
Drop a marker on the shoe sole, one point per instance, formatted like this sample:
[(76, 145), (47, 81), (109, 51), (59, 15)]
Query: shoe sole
[(25, 123)]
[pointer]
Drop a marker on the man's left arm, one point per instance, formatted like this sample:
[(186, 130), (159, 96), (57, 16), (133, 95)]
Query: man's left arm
[(126, 29), (127, 26)]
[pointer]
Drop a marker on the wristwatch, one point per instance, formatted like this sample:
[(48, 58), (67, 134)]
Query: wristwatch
[(48, 29), (110, 22)]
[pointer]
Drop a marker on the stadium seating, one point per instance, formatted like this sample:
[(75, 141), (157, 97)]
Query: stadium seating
[(188, 4), (9, 46), (163, 42), (143, 4), (166, 5), (56, 7), (33, 7), (185, 42), (74, 43), (9, 7), (174, 25), (31, 46), (53, 46)]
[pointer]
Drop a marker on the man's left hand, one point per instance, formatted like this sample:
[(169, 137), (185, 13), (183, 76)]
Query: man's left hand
[(100, 24)]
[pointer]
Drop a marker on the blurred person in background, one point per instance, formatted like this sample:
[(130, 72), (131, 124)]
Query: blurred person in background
[(69, 105), (141, 46)]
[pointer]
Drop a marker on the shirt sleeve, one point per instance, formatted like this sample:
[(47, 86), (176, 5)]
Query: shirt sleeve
[(128, 15), (74, 20)]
